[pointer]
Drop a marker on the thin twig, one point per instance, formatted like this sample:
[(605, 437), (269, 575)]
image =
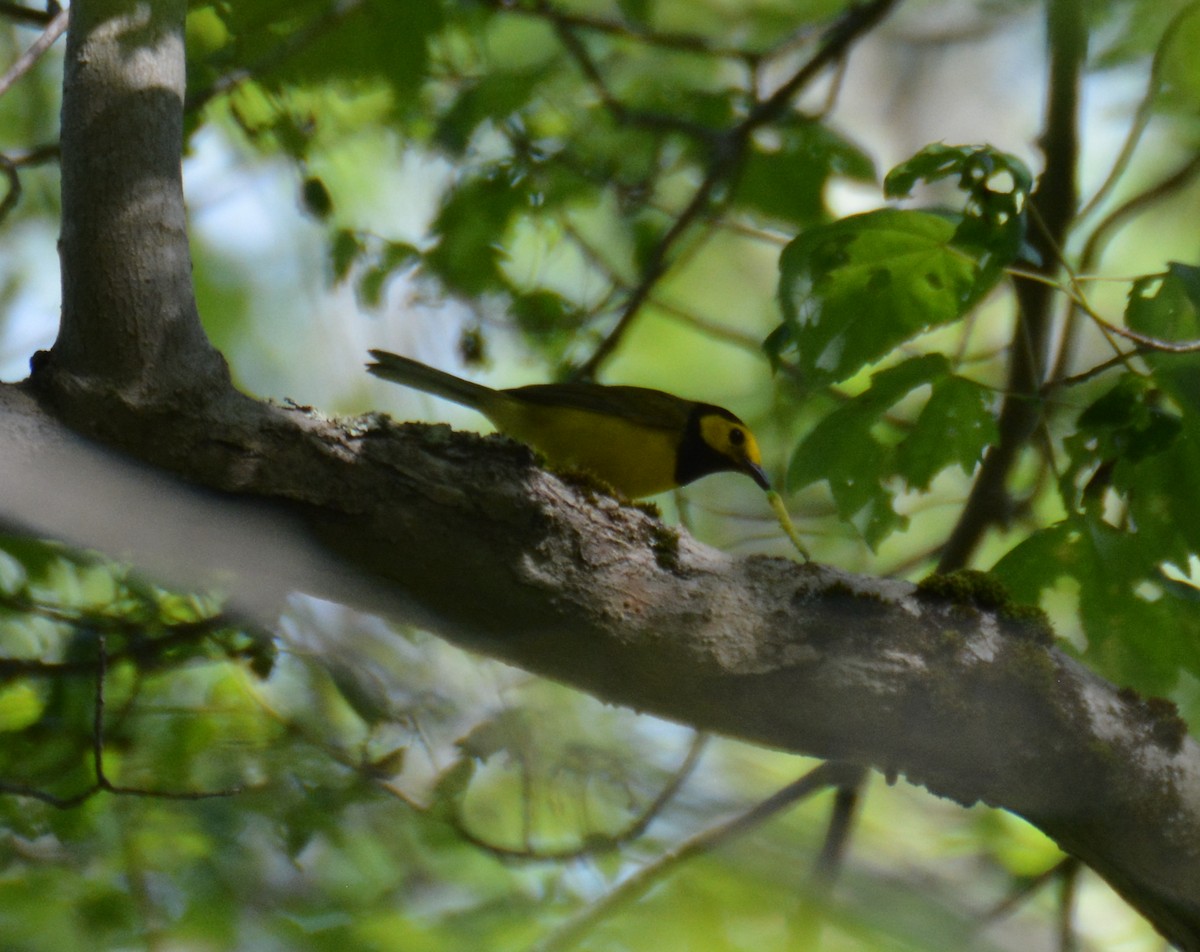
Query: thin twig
[(837, 834), (709, 328), (566, 33), (1144, 341), (1121, 359), (146, 652), (38, 155), (836, 43), (25, 16), (594, 844), (575, 928), (1102, 233), (727, 154), (1099, 238), (27, 60), (102, 781), (1068, 887), (13, 195), (1025, 889), (1143, 115), (809, 916)]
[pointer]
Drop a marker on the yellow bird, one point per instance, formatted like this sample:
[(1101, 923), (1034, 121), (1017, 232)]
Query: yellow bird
[(638, 441)]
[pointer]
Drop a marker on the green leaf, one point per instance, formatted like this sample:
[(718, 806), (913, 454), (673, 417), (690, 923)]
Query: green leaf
[(979, 169), (1156, 450), (343, 251), (495, 100), (846, 451), (1161, 508), (996, 185), (549, 320), (1140, 630), (956, 426), (1180, 89), (315, 197), (1128, 421), (853, 290), (21, 706), (471, 227), (392, 257), (372, 41), (1114, 435), (786, 182), (1167, 307)]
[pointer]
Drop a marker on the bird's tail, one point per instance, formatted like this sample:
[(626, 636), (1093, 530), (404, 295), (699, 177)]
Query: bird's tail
[(412, 373)]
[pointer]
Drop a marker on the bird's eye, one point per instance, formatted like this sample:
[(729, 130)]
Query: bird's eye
[(737, 437)]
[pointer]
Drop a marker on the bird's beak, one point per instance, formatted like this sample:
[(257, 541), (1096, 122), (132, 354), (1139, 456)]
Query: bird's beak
[(758, 474)]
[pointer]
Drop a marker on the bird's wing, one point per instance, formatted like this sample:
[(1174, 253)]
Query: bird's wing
[(639, 405)]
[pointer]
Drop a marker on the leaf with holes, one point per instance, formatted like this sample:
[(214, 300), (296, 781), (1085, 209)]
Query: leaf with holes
[(853, 290), (996, 185)]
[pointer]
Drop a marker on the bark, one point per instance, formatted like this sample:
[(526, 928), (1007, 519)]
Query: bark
[(468, 537), (129, 312)]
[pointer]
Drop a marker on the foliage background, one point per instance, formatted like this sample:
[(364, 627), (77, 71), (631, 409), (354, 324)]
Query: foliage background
[(485, 185)]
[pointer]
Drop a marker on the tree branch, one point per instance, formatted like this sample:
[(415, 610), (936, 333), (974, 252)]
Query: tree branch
[(466, 536), (27, 60), (27, 16)]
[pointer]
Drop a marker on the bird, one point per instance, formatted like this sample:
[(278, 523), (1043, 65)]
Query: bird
[(638, 441)]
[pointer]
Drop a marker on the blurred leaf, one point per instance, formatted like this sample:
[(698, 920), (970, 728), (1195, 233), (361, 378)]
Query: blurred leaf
[(853, 290), (635, 10), (478, 102), (12, 572), (509, 731), (316, 198), (547, 318), (786, 182), (1130, 31), (21, 706), (452, 783), (1180, 72), (343, 251), (471, 228), (363, 690), (362, 42), (392, 257)]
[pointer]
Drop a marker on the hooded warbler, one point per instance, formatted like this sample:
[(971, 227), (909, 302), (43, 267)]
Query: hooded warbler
[(638, 441)]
